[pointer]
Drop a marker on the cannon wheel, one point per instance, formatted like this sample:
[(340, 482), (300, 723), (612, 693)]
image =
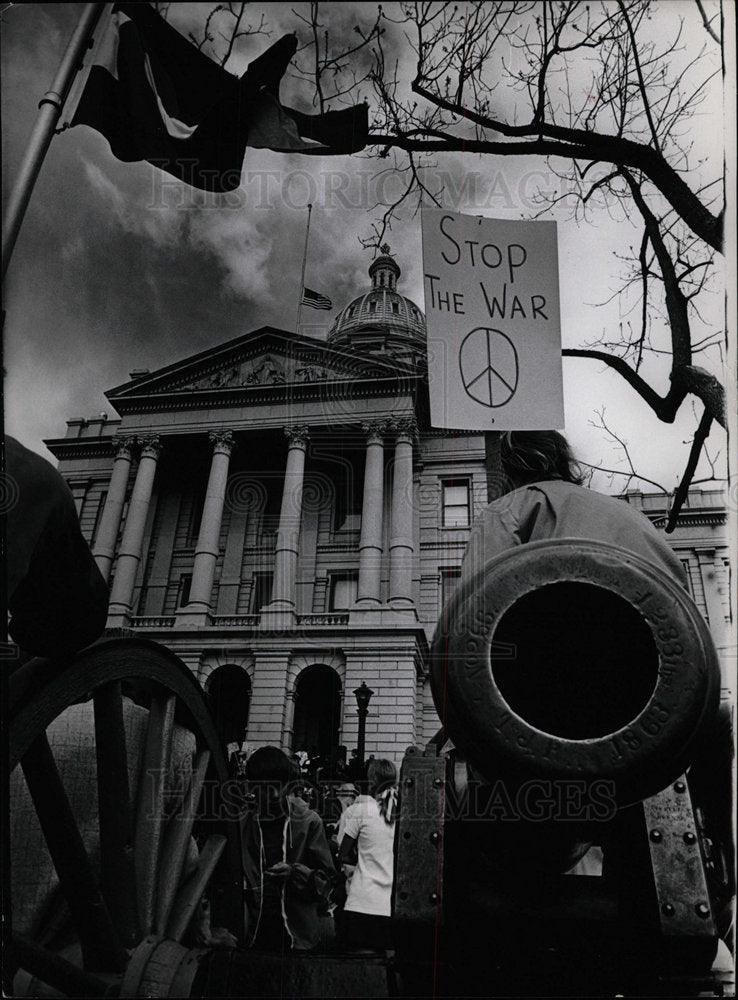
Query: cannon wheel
[(130, 923)]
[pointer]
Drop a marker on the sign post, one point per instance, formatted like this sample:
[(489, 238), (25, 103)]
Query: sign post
[(492, 312)]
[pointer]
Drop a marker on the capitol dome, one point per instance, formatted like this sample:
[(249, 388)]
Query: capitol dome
[(381, 320)]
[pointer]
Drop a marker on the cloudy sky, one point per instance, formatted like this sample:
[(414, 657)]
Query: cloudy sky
[(120, 267)]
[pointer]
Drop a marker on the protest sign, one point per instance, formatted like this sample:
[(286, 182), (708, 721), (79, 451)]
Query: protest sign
[(492, 312)]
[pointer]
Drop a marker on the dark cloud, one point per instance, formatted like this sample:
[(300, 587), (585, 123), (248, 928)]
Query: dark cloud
[(120, 267)]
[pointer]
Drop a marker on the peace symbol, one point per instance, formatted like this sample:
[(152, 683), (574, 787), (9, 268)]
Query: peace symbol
[(488, 363)]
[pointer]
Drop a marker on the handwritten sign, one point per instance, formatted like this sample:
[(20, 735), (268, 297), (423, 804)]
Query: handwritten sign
[(494, 332)]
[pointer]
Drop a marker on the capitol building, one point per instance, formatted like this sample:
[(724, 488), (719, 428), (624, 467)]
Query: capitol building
[(278, 512)]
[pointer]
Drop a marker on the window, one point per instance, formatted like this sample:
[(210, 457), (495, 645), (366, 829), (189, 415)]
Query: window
[(193, 527), (272, 507), (449, 581), (352, 310), (395, 307), (688, 572), (351, 521), (183, 594), (98, 517), (142, 598), (728, 590), (348, 484), (261, 591), (372, 307), (456, 513), (344, 588)]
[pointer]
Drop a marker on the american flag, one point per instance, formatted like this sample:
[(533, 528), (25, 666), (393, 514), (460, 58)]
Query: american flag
[(315, 300)]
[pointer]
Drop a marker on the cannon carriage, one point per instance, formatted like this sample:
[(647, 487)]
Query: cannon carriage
[(569, 830)]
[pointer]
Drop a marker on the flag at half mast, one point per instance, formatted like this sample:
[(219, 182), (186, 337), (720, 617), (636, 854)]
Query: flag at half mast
[(156, 97), (315, 299)]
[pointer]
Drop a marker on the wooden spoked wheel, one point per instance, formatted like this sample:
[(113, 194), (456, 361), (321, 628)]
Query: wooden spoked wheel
[(159, 845)]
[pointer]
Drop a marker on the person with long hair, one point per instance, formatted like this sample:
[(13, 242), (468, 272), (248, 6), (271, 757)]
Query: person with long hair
[(369, 834), (288, 869), (543, 497)]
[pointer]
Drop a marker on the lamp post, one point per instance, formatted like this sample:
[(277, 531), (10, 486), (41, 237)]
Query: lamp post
[(363, 695)]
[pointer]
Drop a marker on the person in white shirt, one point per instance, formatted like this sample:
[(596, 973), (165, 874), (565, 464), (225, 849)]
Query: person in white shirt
[(369, 833)]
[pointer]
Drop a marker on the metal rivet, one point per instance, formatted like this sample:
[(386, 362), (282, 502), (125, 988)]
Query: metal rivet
[(656, 836), (408, 781), (702, 910), (680, 787), (437, 782), (435, 837), (667, 909), (434, 897), (689, 837)]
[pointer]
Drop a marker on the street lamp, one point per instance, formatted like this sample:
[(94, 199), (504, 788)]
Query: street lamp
[(363, 695)]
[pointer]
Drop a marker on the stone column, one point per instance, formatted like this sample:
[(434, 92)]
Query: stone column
[(401, 537), (129, 554), (288, 534), (107, 532), (370, 542), (208, 540)]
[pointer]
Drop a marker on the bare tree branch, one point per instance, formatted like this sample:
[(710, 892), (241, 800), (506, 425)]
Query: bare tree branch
[(682, 490), (590, 87), (706, 23)]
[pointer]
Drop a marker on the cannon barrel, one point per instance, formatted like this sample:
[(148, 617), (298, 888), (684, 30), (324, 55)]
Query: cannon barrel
[(575, 659)]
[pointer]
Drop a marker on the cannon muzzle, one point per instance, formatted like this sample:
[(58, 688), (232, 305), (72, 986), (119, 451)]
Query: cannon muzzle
[(575, 659)]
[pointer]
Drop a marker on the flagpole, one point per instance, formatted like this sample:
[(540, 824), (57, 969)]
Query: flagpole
[(302, 276), (50, 108)]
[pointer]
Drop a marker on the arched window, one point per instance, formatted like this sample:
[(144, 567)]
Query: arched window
[(229, 692), (317, 711)]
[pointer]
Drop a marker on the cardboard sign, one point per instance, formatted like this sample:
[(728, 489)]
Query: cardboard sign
[(494, 331)]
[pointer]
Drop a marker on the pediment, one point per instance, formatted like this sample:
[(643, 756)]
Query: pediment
[(270, 368), (264, 360)]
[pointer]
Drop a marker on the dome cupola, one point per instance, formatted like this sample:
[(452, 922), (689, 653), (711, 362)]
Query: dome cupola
[(384, 272), (381, 320)]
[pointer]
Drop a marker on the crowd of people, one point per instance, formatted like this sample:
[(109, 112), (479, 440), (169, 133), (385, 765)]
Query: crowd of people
[(312, 881)]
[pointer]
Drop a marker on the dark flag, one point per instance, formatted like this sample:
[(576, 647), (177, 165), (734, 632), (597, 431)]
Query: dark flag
[(315, 300), (156, 97)]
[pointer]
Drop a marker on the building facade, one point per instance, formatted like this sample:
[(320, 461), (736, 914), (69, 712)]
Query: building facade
[(278, 511)]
